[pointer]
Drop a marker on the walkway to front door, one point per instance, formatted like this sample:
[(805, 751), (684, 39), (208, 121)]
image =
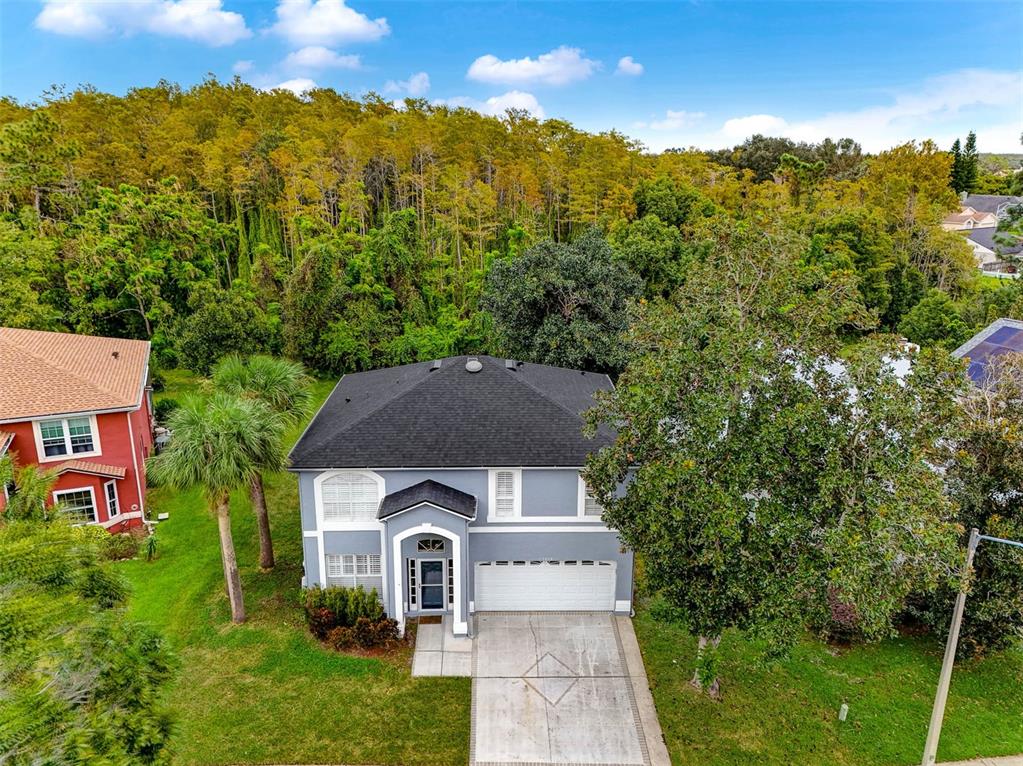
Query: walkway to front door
[(555, 688), (439, 652)]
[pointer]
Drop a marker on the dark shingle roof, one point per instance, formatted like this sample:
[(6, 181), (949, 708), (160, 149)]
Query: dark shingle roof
[(986, 238), (425, 415), (989, 203), (1003, 336), (432, 492)]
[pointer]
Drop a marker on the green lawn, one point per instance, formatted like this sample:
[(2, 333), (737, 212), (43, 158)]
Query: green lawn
[(788, 714), (265, 692)]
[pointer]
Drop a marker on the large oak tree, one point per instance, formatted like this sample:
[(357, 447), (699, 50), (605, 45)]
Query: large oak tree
[(769, 480)]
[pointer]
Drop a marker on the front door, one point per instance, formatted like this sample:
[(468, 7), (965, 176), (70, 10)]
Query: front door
[(431, 584)]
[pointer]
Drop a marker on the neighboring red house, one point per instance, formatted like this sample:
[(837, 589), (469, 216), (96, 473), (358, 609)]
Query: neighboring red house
[(80, 405)]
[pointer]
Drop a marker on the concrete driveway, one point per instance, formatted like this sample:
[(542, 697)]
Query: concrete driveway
[(555, 688)]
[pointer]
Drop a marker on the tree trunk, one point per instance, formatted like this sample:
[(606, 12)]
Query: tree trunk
[(714, 687), (231, 576), (266, 543)]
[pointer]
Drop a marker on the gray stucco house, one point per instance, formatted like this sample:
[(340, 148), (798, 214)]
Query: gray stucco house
[(453, 487)]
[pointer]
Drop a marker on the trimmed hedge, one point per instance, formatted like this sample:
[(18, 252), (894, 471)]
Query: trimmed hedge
[(348, 617), (365, 634)]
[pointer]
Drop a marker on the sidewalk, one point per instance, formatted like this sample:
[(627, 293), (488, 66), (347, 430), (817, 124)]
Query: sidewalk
[(1009, 760)]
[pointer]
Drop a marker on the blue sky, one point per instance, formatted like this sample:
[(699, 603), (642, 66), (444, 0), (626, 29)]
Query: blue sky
[(670, 74)]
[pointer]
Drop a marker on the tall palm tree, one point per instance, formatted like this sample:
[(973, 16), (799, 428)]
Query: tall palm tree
[(284, 387), (218, 444)]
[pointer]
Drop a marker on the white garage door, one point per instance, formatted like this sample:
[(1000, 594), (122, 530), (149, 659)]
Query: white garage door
[(534, 586)]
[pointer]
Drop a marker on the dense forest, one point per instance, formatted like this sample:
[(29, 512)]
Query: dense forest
[(350, 233)]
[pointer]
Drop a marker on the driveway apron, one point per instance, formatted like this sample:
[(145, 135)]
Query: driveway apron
[(553, 688)]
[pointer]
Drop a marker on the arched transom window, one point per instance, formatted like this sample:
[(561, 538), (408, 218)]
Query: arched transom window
[(350, 496)]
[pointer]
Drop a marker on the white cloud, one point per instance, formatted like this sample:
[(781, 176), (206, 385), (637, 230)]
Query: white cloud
[(326, 22), (673, 120), (559, 67), (318, 57), (514, 99), (940, 108), (741, 128), (497, 105), (298, 86), (415, 86), (627, 66), (203, 21), (243, 67)]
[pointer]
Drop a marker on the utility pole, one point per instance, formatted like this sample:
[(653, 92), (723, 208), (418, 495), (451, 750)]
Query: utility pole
[(938, 713)]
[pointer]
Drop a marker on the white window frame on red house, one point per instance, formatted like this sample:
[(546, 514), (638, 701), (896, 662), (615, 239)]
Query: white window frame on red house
[(70, 454), (113, 501), (71, 490)]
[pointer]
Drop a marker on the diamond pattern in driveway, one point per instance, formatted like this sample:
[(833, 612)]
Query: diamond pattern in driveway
[(553, 688)]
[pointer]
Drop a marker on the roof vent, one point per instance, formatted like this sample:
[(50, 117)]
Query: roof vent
[(473, 365), (435, 365), (509, 364)]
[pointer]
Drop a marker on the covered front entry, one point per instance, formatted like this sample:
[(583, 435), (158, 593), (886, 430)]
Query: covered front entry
[(524, 586), (425, 528)]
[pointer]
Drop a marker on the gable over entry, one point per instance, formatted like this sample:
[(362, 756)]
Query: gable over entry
[(435, 576)]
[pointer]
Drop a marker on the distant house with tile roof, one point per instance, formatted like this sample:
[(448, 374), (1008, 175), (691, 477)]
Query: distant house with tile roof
[(978, 219), (969, 218), (79, 405)]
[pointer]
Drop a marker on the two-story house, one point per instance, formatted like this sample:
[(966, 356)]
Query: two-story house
[(79, 405), (454, 486)]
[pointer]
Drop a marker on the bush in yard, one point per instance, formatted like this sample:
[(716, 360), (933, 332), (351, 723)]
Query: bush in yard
[(120, 547), (162, 408), (82, 684), (364, 634), (329, 608)]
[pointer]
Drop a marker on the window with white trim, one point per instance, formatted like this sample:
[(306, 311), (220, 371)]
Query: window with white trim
[(430, 545), (110, 490), (79, 504), (350, 496), (67, 436), (354, 569), (590, 507), (505, 491)]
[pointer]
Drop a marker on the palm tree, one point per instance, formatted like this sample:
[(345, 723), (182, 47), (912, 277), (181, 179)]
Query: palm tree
[(33, 489), (218, 445), (284, 387)]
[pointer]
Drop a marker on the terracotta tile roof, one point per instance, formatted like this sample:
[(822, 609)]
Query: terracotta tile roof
[(47, 373), (84, 466), (5, 441)]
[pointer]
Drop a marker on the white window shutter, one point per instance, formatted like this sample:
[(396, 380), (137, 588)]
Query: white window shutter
[(504, 494)]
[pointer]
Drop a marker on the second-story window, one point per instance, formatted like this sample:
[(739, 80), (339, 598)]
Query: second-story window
[(504, 494), (67, 436), (350, 496)]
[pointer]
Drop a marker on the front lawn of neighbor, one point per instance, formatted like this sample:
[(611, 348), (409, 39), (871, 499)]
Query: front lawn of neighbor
[(265, 691), (788, 714)]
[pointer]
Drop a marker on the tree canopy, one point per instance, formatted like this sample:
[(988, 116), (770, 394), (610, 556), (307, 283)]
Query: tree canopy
[(349, 234), (770, 478), (563, 305)]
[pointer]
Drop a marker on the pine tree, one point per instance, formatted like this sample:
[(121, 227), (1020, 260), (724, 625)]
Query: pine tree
[(970, 162), (956, 179)]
